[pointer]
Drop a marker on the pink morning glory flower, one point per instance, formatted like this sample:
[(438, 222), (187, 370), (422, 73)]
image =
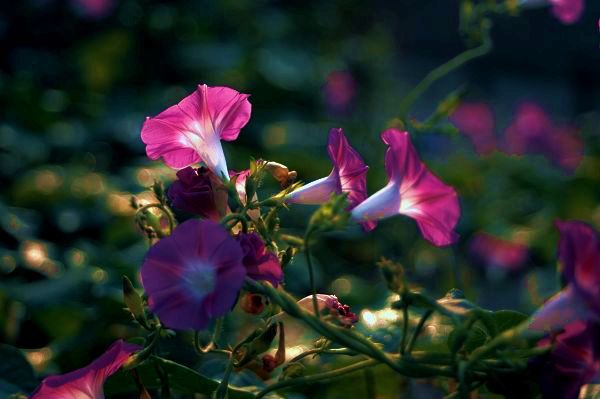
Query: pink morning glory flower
[(497, 253), (413, 191), (191, 131), (347, 176), (476, 121), (87, 382), (330, 305), (573, 362), (567, 11), (532, 131), (193, 275), (260, 263), (579, 256)]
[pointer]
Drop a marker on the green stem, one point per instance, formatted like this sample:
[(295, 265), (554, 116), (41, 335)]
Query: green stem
[(223, 388), (415, 336), (164, 210), (404, 327), (240, 217), (445, 69), (346, 337), (321, 377), (341, 351), (213, 340), (370, 383), (311, 275)]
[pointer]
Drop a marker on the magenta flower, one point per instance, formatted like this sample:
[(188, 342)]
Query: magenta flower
[(567, 11), (199, 191), (476, 121), (413, 191), (579, 256), (494, 252), (191, 131), (340, 90), (347, 176), (193, 275), (94, 8), (86, 383), (260, 263), (329, 305), (532, 131), (573, 362)]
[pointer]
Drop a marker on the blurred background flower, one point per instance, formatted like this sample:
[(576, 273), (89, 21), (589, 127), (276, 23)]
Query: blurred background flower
[(78, 78)]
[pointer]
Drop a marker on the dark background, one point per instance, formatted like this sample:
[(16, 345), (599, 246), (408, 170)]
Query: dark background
[(75, 88)]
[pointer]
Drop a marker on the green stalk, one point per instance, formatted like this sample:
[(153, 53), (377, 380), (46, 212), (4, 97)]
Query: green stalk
[(444, 69), (321, 377)]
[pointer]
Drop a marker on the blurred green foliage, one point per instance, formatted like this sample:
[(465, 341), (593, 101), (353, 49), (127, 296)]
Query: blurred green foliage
[(75, 88)]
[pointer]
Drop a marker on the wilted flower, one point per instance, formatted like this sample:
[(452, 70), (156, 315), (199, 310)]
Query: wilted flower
[(199, 191), (191, 131), (87, 382), (579, 255), (260, 263), (329, 305), (533, 132), (413, 191), (573, 362), (253, 303), (494, 252), (347, 176), (476, 120), (193, 275)]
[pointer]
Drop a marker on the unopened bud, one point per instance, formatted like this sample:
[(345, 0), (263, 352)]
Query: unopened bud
[(134, 302)]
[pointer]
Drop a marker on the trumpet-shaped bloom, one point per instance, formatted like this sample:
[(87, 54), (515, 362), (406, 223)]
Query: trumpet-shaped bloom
[(260, 263), (579, 255), (573, 362), (191, 131), (567, 11), (347, 176), (87, 382), (413, 191), (476, 121), (199, 191), (193, 275)]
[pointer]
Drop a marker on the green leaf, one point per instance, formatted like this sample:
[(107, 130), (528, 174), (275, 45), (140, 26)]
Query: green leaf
[(181, 379), (506, 319), (15, 370)]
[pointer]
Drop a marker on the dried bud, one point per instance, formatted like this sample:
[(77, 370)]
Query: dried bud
[(280, 172)]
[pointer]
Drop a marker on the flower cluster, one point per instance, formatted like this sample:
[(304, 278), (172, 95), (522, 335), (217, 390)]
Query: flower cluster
[(195, 274), (530, 132)]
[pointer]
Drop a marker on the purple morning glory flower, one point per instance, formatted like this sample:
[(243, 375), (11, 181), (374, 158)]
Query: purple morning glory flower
[(199, 191), (574, 361), (260, 263), (87, 382), (579, 256), (347, 176), (193, 275)]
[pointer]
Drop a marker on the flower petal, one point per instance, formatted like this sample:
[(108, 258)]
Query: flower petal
[(579, 254), (414, 191), (86, 382)]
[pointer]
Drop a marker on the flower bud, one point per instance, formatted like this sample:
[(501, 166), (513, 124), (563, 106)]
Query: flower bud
[(134, 302)]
